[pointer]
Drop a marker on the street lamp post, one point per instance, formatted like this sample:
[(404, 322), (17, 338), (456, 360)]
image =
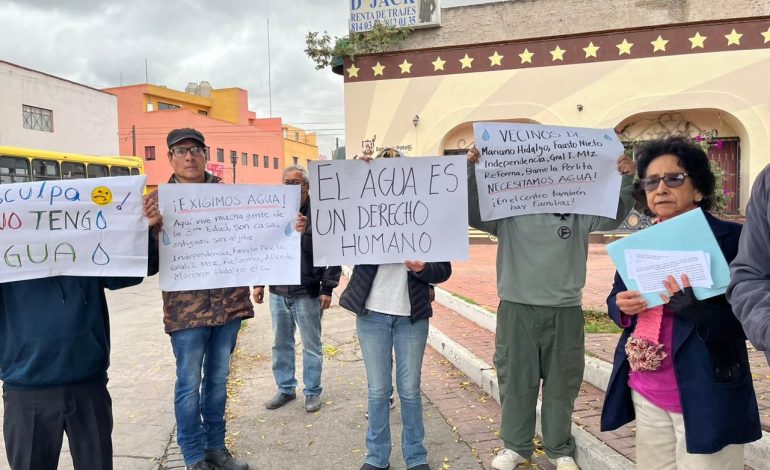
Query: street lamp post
[(234, 161)]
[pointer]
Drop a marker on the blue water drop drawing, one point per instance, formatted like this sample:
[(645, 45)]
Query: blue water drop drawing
[(99, 256), (101, 222), (288, 230), (607, 138), (485, 136), (164, 237)]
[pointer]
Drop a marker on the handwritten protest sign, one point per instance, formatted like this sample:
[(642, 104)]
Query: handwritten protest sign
[(217, 235), (532, 169), (389, 210), (89, 227)]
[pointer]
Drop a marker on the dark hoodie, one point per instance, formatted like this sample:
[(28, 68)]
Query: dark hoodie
[(56, 330)]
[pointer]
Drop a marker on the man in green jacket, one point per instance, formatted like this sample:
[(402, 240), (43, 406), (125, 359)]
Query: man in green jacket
[(541, 271)]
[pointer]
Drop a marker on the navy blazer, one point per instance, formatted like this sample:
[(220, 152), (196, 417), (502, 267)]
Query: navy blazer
[(710, 363)]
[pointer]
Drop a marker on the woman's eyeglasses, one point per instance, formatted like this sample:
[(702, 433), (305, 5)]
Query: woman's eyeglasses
[(671, 180)]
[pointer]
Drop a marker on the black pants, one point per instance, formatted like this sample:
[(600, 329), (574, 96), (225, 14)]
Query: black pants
[(35, 421)]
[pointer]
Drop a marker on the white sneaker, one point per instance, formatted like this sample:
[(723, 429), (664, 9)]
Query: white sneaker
[(507, 459), (565, 463)]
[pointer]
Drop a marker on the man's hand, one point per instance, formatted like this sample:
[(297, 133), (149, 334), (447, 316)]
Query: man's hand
[(473, 155), (151, 211), (301, 223), (258, 294), (415, 266), (626, 166), (326, 301)]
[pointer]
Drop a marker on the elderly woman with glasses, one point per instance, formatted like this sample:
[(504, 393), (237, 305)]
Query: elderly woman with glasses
[(681, 369)]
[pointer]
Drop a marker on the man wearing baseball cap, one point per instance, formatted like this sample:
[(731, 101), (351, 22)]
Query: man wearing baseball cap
[(203, 326)]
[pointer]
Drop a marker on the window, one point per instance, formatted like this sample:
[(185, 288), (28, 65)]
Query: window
[(255, 160), (208, 154), (119, 171), (245, 159), (13, 170), (296, 136), (233, 157), (134, 171), (286, 133), (275, 163), (167, 106), (45, 169), (149, 152), (295, 160), (266, 161), (221, 155), (37, 119), (73, 170), (98, 171), (203, 113)]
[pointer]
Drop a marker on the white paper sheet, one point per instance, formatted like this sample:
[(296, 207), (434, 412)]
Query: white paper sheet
[(649, 268)]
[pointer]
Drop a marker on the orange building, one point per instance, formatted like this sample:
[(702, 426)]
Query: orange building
[(299, 146), (241, 147)]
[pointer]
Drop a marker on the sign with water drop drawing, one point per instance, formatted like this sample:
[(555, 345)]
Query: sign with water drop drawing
[(534, 169), (218, 235), (87, 227)]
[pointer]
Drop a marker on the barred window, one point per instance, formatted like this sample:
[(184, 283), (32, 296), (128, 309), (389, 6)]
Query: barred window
[(38, 119)]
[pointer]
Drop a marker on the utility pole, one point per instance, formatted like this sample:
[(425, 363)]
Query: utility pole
[(269, 78), (133, 140), (234, 160)]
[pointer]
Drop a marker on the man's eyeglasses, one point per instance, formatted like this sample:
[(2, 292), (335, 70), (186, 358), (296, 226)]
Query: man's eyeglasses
[(181, 152), (671, 180), (293, 182)]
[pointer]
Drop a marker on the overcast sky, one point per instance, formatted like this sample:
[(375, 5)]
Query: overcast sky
[(100, 43)]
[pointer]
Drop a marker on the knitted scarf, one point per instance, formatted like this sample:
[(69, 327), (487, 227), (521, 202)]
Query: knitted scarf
[(644, 350)]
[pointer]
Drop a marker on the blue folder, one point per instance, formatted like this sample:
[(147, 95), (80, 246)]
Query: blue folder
[(687, 232)]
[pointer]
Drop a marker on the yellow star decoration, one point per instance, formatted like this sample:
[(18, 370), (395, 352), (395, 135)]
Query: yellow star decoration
[(734, 38), (495, 59), (406, 67), (557, 54), (378, 69), (766, 35), (624, 47), (526, 56), (466, 61), (438, 64), (353, 71), (698, 40), (659, 44), (591, 50)]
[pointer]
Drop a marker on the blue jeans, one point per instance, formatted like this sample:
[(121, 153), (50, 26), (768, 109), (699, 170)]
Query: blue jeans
[(379, 335), (289, 312), (199, 402)]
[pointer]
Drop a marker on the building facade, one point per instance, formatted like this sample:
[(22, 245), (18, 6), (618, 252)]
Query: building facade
[(299, 146), (41, 111), (647, 68), (241, 147)]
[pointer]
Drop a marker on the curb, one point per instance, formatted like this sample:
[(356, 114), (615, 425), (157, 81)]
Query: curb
[(597, 373)]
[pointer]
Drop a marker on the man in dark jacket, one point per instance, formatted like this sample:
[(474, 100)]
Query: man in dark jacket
[(302, 305), (203, 326), (54, 354)]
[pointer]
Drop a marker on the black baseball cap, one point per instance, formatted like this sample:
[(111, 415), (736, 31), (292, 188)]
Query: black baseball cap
[(178, 135)]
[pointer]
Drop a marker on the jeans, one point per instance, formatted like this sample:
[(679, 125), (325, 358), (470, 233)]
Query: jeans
[(379, 335), (199, 402), (288, 312)]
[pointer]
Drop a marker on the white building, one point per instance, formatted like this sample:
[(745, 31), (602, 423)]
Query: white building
[(41, 111)]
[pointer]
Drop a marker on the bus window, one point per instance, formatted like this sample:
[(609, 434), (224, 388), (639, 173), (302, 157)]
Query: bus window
[(45, 169), (13, 169), (134, 171), (98, 171), (73, 170), (119, 171)]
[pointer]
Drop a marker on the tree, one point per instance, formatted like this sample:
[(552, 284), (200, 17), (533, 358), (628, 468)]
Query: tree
[(379, 39)]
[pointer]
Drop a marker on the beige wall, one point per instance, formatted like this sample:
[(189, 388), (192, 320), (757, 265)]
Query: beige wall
[(519, 19)]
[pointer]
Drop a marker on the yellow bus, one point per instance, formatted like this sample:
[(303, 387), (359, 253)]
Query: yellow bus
[(21, 165)]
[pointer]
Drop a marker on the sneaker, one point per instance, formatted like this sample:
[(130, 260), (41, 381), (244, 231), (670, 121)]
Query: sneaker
[(422, 466), (224, 460), (368, 466), (507, 459), (202, 465), (392, 402), (279, 400), (564, 463), (312, 403)]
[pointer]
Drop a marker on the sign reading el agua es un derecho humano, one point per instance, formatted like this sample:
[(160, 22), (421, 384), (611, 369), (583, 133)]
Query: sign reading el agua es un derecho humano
[(533, 169), (395, 13), (217, 235), (87, 227), (389, 210)]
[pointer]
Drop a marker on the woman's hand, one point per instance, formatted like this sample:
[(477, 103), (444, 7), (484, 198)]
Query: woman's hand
[(415, 266), (473, 155), (301, 223), (630, 302), (672, 287), (258, 294), (626, 166)]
